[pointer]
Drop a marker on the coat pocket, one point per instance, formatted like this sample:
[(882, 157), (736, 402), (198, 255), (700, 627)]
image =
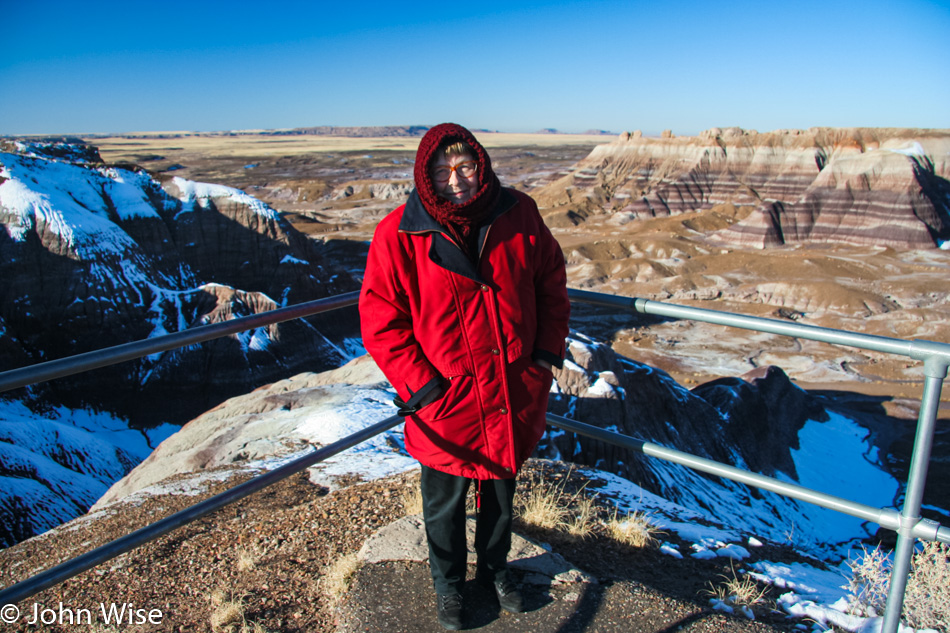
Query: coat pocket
[(459, 390), (529, 386)]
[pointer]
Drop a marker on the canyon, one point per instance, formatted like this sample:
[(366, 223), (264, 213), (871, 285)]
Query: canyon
[(837, 228)]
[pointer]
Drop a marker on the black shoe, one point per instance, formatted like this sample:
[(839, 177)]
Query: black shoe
[(509, 596), (449, 610)]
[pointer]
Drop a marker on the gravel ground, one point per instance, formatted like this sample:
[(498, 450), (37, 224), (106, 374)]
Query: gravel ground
[(264, 557)]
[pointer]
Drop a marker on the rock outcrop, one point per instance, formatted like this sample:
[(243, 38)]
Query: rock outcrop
[(96, 255), (754, 422), (858, 186), (267, 423)]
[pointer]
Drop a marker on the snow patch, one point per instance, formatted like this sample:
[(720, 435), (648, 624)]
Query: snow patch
[(200, 193)]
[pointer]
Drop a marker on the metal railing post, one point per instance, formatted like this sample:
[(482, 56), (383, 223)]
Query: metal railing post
[(935, 371)]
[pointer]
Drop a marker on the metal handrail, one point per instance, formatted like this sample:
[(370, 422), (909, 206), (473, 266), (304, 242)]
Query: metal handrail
[(41, 372), (936, 357), (916, 349), (908, 523), (885, 517)]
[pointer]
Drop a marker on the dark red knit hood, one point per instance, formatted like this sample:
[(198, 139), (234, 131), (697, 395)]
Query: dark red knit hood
[(460, 219)]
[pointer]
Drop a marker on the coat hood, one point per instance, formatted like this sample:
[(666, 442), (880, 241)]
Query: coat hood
[(460, 219)]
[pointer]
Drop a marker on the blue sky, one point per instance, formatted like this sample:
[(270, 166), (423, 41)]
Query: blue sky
[(102, 67)]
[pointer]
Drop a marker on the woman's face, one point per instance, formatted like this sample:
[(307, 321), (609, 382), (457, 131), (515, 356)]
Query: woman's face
[(458, 188)]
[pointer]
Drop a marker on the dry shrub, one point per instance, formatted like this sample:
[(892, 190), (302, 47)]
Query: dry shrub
[(335, 581), (927, 597), (737, 593), (634, 529), (868, 584), (927, 600)]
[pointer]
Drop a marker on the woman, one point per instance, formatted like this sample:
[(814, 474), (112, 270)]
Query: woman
[(464, 308)]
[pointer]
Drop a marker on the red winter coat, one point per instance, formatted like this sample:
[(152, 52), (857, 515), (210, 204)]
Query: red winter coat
[(431, 318)]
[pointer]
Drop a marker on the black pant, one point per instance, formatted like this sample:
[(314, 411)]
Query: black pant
[(443, 505)]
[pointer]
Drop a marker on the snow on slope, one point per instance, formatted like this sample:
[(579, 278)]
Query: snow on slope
[(81, 206), (70, 201), (50, 466), (57, 464), (199, 193)]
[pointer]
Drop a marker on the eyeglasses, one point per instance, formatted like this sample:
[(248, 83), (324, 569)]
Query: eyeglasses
[(465, 169)]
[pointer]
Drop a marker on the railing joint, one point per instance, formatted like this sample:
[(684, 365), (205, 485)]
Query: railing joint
[(926, 529), (936, 357)]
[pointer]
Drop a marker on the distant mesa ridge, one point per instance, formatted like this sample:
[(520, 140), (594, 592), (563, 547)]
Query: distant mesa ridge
[(356, 131)]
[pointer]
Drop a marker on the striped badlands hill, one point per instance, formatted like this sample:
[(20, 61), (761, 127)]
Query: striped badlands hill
[(855, 186)]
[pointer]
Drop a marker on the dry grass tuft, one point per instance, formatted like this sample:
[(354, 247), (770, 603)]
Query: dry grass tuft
[(927, 597), (737, 593), (249, 557), (412, 499), (227, 614), (634, 529), (335, 581), (548, 505), (541, 502), (583, 520)]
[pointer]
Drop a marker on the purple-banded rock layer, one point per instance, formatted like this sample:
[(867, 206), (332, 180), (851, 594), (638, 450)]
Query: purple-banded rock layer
[(859, 186)]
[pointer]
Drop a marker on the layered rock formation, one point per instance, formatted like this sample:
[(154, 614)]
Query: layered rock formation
[(94, 256), (856, 186)]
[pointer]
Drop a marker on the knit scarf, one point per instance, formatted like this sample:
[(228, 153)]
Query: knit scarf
[(460, 220)]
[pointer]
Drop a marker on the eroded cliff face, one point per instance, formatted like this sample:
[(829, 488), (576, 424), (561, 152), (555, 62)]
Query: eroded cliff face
[(886, 187), (96, 255)]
